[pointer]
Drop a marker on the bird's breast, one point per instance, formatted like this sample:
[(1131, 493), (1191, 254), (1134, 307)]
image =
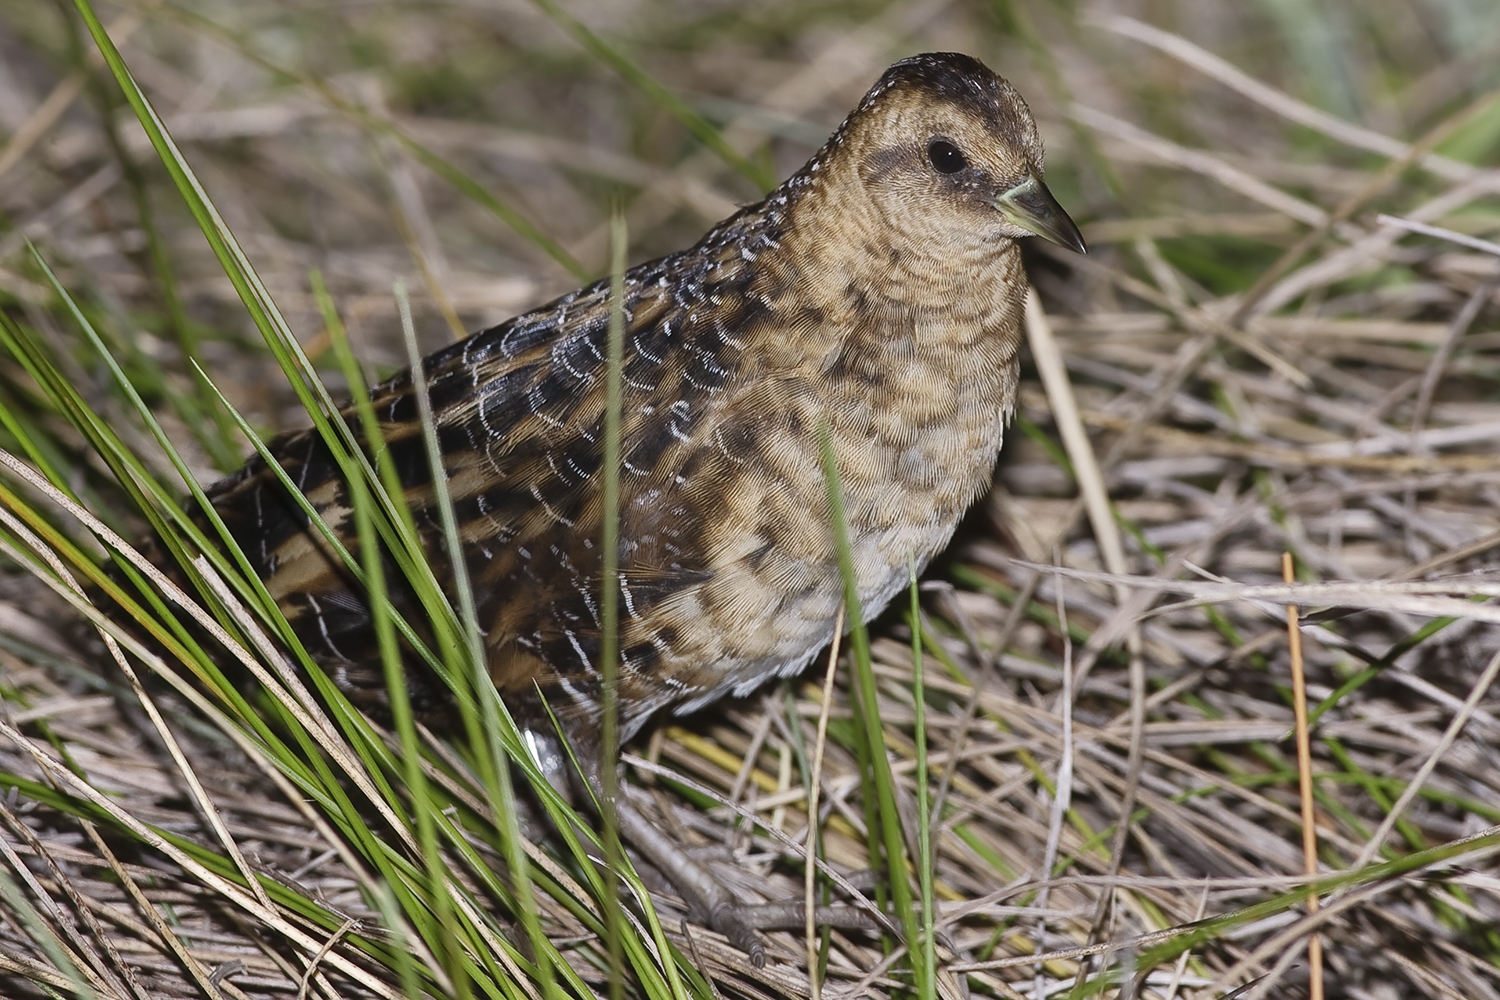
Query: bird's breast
[(913, 403)]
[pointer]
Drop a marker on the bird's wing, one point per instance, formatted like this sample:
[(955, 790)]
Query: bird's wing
[(519, 411)]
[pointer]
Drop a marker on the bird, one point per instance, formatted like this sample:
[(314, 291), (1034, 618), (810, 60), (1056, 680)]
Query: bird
[(873, 301)]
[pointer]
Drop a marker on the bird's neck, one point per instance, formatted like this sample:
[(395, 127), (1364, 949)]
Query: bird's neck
[(881, 298), (846, 242)]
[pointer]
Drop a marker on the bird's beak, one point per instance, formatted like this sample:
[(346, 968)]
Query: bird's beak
[(1031, 206)]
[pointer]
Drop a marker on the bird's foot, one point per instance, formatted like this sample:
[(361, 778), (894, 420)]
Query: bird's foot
[(710, 903), (739, 921), (791, 915)]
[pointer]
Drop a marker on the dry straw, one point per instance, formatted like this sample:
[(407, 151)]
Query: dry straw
[(1285, 339)]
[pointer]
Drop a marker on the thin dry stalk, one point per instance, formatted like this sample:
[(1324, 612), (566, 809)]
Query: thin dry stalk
[(1304, 780)]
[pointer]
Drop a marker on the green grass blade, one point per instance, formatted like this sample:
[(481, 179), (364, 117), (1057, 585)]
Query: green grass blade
[(926, 955), (609, 652), (883, 817)]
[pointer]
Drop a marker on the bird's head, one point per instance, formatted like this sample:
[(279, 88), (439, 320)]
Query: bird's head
[(945, 150)]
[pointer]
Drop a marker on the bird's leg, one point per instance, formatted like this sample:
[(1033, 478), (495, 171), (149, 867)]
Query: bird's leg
[(707, 898), (547, 751), (710, 900), (699, 888), (723, 912)]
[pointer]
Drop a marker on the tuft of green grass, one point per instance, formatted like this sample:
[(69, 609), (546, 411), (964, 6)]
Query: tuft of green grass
[(397, 804)]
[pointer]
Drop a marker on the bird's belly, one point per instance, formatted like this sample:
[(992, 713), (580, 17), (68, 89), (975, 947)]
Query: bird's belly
[(770, 611)]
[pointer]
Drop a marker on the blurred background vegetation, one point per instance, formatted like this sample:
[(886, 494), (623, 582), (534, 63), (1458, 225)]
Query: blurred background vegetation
[(288, 111)]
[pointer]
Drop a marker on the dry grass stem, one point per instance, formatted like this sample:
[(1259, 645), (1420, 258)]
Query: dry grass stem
[(1304, 778)]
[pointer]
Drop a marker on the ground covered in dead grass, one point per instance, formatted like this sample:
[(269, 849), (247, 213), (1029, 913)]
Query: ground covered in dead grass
[(1285, 339)]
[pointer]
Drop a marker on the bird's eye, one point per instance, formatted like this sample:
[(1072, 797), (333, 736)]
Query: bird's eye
[(945, 157)]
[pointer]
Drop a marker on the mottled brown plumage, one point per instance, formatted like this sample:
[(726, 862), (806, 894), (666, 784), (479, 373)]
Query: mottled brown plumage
[(880, 289)]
